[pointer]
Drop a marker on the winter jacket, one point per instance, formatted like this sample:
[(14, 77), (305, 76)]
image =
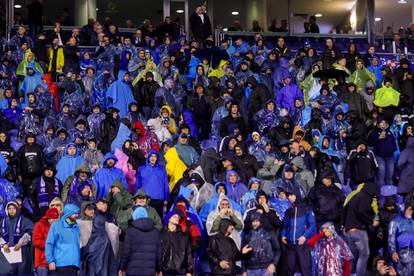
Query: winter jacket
[(41, 229), (140, 250), (406, 167), (259, 96), (108, 130), (63, 240), (266, 249), (174, 166), (72, 194), (358, 212), (299, 221), (175, 254), (326, 203), (362, 166), (222, 248), (151, 212), (105, 177), (31, 160), (187, 154), (67, 165), (120, 205), (122, 164), (382, 147), (247, 166), (303, 175), (268, 173), (153, 179), (236, 190)]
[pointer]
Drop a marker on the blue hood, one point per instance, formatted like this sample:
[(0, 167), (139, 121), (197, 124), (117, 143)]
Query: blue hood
[(153, 151), (107, 156), (71, 145), (69, 210), (232, 172), (215, 194)]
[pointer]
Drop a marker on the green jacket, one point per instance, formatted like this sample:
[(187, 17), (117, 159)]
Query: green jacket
[(120, 205)]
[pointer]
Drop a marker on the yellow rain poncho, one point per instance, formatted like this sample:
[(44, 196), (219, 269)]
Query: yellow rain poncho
[(175, 167), (220, 71), (386, 96)]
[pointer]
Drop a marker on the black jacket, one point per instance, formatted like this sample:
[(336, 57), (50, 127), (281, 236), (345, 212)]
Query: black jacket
[(144, 93), (31, 160), (362, 166), (139, 253), (260, 95), (199, 29), (271, 221), (222, 248), (247, 166), (175, 254), (358, 213), (109, 130), (226, 122), (326, 203)]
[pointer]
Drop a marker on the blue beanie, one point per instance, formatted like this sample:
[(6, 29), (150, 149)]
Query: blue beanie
[(140, 212)]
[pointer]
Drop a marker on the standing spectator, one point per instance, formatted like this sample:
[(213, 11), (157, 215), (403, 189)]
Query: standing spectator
[(222, 252), (15, 234), (107, 175), (200, 24), (31, 160), (20, 38), (362, 164), (119, 202), (68, 164), (41, 229), (245, 163), (72, 54), (401, 230), (313, 27), (56, 58), (62, 249), (265, 254), (175, 248), (152, 178), (357, 216), (331, 254), (299, 226), (384, 145), (141, 199), (140, 251), (34, 17)]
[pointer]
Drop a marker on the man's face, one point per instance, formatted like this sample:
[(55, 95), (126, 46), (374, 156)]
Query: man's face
[(329, 43), (182, 140), (91, 145), (382, 267), (30, 140), (21, 30), (110, 163), (175, 219), (238, 151), (141, 200), (408, 213), (292, 198), (102, 206), (295, 148), (71, 151), (255, 224), (232, 178), (255, 186), (31, 98), (224, 204), (153, 159), (83, 175), (3, 137), (234, 109), (327, 182), (74, 217), (287, 81), (359, 65), (371, 50), (12, 211), (289, 175)]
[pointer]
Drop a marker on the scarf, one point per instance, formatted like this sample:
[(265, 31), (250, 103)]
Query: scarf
[(17, 233), (43, 195), (74, 187)]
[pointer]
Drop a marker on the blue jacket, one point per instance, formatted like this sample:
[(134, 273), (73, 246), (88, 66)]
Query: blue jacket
[(63, 241), (105, 177), (124, 133), (303, 218), (236, 191), (67, 165), (153, 179), (187, 154), (401, 234)]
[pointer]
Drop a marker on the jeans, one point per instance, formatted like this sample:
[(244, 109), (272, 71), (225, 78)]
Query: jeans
[(297, 259), (358, 244), (42, 271), (385, 170)]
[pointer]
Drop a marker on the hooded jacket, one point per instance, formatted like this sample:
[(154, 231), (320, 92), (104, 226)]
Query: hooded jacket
[(174, 166), (303, 175), (119, 95), (105, 177), (68, 196), (139, 253), (237, 190), (130, 173), (120, 205), (40, 232), (222, 247), (31, 160), (153, 179), (362, 166), (67, 165), (63, 240)]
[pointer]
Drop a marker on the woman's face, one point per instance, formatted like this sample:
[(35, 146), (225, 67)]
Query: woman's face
[(200, 71), (311, 52)]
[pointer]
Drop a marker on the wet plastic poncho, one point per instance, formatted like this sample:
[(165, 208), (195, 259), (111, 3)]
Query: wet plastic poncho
[(119, 95), (330, 256), (100, 86), (67, 165), (75, 99), (386, 96), (30, 82)]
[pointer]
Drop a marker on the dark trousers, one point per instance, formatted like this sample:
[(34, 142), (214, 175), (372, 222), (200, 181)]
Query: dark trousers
[(66, 271), (298, 259), (158, 205)]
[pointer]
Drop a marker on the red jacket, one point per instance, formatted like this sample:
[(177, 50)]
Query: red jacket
[(40, 231)]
